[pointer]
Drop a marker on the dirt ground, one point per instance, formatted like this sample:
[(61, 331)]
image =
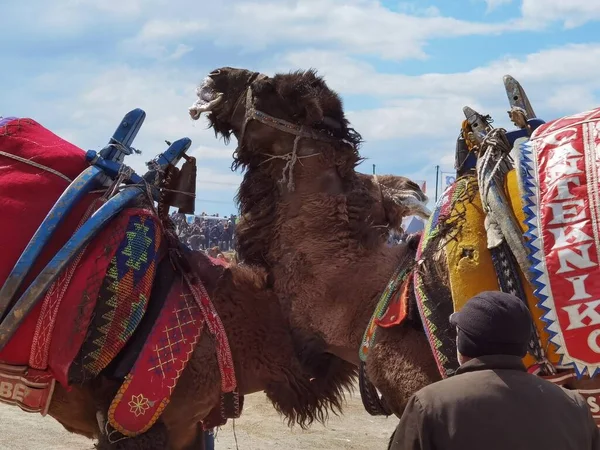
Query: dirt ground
[(259, 428)]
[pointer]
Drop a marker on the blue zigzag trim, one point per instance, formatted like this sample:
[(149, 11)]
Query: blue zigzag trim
[(529, 191)]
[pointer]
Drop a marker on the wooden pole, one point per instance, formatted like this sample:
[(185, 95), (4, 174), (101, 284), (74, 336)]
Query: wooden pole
[(437, 181)]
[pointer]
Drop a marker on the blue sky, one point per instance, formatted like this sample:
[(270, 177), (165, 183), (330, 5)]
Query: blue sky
[(404, 70)]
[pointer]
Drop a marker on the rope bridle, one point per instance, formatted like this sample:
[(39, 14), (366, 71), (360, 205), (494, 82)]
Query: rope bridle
[(300, 131)]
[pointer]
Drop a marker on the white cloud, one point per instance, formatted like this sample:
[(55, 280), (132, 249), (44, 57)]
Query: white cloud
[(495, 4), (78, 14), (170, 29), (416, 118), (554, 66), (358, 27), (574, 98), (423, 113), (180, 51), (161, 52), (354, 26), (417, 9), (97, 97), (216, 180), (114, 7), (430, 105), (161, 39), (572, 13), (204, 153), (423, 118)]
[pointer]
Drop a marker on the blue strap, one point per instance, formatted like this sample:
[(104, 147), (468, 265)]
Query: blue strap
[(512, 136)]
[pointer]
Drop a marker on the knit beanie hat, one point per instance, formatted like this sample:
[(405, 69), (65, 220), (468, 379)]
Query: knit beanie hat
[(493, 323)]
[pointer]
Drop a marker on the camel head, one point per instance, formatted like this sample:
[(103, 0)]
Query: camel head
[(218, 96), (297, 114), (400, 197), (244, 103)]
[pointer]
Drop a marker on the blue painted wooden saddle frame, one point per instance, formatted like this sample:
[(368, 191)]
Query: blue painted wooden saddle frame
[(104, 169)]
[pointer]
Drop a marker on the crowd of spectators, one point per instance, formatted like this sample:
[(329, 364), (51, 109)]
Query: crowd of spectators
[(216, 235), (206, 232)]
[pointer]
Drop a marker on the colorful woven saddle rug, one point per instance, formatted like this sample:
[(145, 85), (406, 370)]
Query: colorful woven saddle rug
[(549, 203), (118, 308)]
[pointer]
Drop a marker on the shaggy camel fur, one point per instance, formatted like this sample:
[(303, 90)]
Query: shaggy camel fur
[(316, 225), (264, 358)]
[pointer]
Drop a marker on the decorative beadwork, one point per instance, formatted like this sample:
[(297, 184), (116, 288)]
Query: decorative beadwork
[(429, 317), (147, 389), (123, 297)]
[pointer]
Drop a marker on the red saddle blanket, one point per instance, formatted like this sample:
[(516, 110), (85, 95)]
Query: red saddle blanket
[(27, 194), (92, 309)]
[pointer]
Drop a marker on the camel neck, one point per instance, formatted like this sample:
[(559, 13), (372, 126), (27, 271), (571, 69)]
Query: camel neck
[(325, 246), (328, 282)]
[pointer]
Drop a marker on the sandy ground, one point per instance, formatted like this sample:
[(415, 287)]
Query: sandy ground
[(259, 428)]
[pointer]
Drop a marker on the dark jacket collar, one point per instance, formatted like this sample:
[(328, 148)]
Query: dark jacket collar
[(491, 362)]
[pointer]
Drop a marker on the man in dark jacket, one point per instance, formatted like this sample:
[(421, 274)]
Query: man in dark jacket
[(492, 403)]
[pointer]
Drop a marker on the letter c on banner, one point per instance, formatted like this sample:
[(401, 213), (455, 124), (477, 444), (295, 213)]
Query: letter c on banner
[(593, 341)]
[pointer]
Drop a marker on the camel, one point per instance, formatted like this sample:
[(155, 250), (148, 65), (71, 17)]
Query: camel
[(259, 336), (264, 360), (317, 226)]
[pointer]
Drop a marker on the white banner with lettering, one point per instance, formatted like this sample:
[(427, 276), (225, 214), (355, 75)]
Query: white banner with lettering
[(563, 213)]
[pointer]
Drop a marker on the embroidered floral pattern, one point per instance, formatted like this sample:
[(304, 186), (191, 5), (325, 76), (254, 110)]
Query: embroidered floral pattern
[(139, 405)]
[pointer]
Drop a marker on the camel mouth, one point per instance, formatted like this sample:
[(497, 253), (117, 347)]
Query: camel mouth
[(208, 99)]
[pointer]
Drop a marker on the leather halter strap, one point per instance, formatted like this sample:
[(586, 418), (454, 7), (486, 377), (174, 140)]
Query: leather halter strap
[(252, 113), (300, 131)]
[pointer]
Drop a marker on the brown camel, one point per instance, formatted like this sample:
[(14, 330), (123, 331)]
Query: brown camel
[(263, 353), (316, 225)]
